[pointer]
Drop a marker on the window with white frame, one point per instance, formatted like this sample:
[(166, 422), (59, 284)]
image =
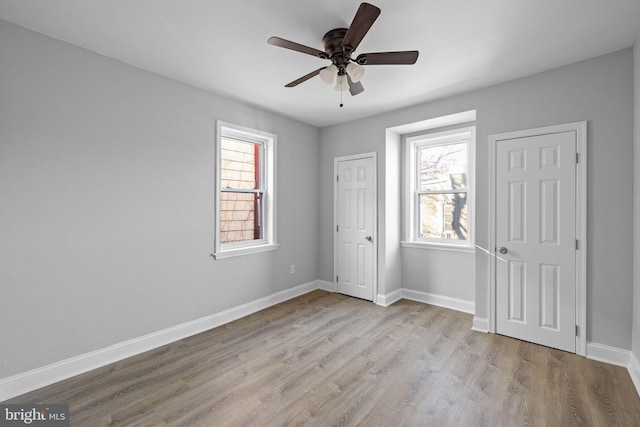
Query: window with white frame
[(245, 191), (439, 182)]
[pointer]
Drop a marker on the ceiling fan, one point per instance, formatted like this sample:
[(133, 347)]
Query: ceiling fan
[(339, 45)]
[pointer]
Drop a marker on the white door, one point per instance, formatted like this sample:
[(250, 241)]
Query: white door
[(536, 239), (355, 226)]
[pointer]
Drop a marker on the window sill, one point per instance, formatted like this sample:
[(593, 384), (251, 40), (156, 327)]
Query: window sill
[(248, 250), (438, 247)]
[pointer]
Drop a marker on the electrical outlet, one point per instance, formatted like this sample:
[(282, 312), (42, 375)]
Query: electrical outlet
[(292, 269)]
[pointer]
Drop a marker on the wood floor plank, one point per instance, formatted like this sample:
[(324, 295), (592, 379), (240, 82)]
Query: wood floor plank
[(327, 359)]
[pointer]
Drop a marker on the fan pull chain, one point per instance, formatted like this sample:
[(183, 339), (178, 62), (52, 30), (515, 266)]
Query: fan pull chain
[(341, 92)]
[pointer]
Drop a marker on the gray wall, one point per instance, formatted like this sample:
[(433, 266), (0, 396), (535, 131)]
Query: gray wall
[(636, 200), (107, 203), (597, 90)]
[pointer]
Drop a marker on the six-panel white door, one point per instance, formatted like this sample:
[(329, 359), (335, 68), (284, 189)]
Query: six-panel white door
[(355, 226), (535, 239)]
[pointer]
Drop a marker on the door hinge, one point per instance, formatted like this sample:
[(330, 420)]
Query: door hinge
[(337, 228), (577, 157), (576, 244), (337, 178), (337, 279), (577, 331)]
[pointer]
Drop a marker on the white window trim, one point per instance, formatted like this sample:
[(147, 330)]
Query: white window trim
[(410, 239), (268, 165)]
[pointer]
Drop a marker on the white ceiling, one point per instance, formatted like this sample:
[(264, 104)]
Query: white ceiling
[(220, 45)]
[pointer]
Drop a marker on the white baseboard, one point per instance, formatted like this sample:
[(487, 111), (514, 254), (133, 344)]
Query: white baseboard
[(440, 300), (634, 371), (608, 354), (327, 286), (31, 380), (390, 298), (465, 306), (480, 324), (616, 356)]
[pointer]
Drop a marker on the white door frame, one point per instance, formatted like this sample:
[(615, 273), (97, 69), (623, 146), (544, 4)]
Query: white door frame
[(336, 160), (580, 128)]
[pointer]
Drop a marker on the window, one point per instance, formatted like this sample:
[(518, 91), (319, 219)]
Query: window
[(245, 208), (439, 196)]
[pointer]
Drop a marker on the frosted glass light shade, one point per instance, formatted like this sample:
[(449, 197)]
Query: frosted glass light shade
[(356, 72), (328, 74), (341, 83)]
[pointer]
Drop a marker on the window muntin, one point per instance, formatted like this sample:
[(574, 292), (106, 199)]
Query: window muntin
[(439, 196), (245, 208)]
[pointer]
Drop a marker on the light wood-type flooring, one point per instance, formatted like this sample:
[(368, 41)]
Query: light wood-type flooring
[(325, 359)]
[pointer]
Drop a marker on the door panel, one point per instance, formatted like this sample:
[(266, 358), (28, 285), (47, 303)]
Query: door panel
[(356, 222), (535, 224), (517, 295)]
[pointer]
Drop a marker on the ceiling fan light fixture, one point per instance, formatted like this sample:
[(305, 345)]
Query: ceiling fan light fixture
[(328, 74), (341, 83), (356, 72)]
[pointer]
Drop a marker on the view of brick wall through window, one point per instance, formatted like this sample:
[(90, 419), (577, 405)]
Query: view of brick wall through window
[(240, 210), (443, 184)]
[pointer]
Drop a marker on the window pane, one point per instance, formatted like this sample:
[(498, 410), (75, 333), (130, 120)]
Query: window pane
[(240, 217), (443, 167), (239, 164), (443, 216)]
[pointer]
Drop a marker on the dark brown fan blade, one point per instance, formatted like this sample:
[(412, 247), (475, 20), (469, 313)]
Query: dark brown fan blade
[(364, 19), (277, 41), (407, 57), (305, 77), (354, 88)]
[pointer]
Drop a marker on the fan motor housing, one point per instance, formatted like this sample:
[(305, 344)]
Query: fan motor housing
[(332, 42)]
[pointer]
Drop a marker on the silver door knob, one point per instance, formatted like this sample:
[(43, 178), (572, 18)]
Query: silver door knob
[(369, 238), (503, 250)]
